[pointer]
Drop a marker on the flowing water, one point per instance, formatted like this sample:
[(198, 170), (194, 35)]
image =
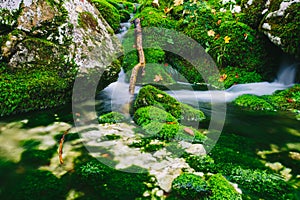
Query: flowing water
[(276, 134)]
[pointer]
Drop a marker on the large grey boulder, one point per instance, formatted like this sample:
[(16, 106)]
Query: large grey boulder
[(59, 37)]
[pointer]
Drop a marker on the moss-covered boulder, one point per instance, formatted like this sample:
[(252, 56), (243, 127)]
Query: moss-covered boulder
[(253, 102), (281, 25), (151, 96), (221, 188), (190, 186), (43, 44), (112, 118)]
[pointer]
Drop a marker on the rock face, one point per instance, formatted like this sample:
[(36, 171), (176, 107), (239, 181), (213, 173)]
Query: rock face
[(58, 37), (279, 20)]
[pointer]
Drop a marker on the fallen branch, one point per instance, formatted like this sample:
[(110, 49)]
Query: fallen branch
[(142, 63), (61, 142)]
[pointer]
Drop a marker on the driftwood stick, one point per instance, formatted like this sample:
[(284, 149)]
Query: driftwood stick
[(61, 142), (142, 62)]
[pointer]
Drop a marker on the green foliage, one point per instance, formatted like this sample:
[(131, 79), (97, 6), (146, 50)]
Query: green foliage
[(37, 157), (161, 130), (253, 102), (221, 188), (109, 12), (87, 20), (148, 114), (152, 55), (112, 118), (261, 184), (149, 95), (190, 187), (152, 17), (124, 15)]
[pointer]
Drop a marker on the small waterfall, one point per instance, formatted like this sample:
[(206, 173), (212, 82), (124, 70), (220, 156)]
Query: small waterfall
[(287, 75)]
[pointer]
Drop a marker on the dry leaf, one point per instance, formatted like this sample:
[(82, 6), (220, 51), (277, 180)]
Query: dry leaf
[(210, 33), (189, 131), (217, 36), (178, 2), (219, 22), (222, 77), (158, 78), (226, 39), (160, 95), (213, 11), (167, 10)]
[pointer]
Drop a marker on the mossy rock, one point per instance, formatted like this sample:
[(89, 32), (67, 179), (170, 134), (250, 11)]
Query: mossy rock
[(148, 114), (221, 188), (109, 12), (252, 14), (87, 21), (190, 187), (151, 96), (261, 184), (162, 131), (253, 102), (233, 75), (112, 118), (285, 28)]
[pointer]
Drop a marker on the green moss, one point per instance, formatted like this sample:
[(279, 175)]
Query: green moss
[(287, 28), (87, 20), (109, 12), (221, 188), (252, 14), (107, 183), (152, 17), (148, 114), (261, 184), (161, 130), (124, 15), (39, 184), (253, 102), (190, 187), (37, 157), (201, 163), (112, 117), (233, 75), (8, 20), (149, 95)]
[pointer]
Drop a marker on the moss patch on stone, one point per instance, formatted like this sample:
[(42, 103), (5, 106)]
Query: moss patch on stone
[(112, 117), (109, 12), (150, 96)]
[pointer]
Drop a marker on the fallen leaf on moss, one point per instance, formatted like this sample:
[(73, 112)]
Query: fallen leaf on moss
[(213, 11), (226, 39), (160, 95), (178, 2), (150, 13), (158, 78), (210, 33), (222, 77), (217, 36), (219, 22), (167, 10)]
